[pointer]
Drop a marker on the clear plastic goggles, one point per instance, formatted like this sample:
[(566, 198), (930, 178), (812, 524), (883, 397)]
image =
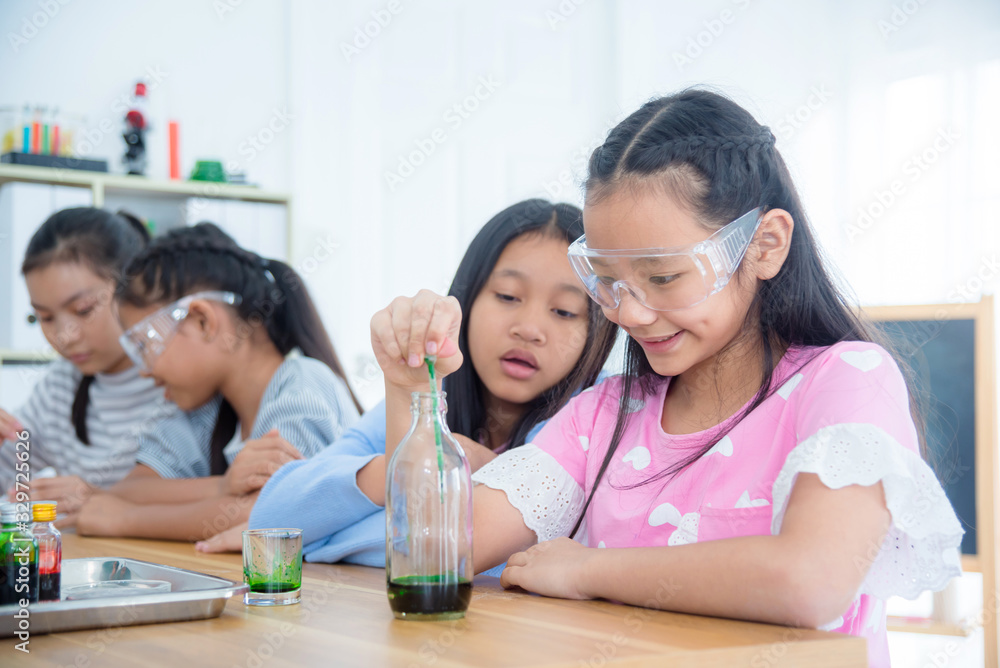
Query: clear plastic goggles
[(146, 340), (665, 279)]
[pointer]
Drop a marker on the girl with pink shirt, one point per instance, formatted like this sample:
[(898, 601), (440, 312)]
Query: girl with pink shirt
[(758, 453)]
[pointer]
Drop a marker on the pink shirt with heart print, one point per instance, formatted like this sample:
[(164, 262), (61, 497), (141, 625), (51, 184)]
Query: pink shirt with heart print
[(841, 412)]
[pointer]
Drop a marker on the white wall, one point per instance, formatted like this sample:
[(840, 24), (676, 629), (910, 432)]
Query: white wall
[(531, 104)]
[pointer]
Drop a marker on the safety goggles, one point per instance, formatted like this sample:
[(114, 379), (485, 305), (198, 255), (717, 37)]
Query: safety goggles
[(665, 279), (146, 340)]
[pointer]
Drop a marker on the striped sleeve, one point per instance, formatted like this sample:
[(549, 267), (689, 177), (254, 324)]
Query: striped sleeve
[(308, 405), (178, 446)]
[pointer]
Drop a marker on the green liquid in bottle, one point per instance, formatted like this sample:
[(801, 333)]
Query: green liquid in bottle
[(429, 597)]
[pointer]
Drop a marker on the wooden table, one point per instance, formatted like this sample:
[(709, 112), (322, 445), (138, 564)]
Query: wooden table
[(344, 620)]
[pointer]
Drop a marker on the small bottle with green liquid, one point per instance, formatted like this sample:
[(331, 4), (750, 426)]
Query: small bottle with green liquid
[(18, 556), (428, 514)]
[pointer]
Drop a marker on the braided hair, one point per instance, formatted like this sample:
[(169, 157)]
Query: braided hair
[(715, 158), (102, 241), (273, 296)]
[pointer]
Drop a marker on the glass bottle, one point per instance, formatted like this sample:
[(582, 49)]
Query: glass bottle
[(428, 516), (18, 556), (49, 549)]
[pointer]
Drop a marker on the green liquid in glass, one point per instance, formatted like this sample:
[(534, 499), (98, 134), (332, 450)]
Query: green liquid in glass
[(273, 587)]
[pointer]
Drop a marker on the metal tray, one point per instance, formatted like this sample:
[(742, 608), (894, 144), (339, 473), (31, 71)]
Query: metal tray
[(192, 596)]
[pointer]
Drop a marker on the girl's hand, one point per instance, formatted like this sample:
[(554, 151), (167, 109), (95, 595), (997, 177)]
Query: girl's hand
[(257, 462), (412, 327), (10, 427), (230, 540), (69, 492), (553, 568)]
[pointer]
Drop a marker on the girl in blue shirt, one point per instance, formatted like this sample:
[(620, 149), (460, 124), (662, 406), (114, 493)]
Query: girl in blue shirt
[(532, 339), (235, 341)]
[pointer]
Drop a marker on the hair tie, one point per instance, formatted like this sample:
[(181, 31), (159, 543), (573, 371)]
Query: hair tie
[(265, 264), (765, 137)]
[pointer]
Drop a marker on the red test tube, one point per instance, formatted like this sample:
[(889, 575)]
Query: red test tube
[(175, 157)]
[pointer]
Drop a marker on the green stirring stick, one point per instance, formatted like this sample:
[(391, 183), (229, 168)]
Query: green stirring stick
[(430, 359)]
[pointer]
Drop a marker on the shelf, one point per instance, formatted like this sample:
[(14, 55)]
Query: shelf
[(15, 357), (101, 182)]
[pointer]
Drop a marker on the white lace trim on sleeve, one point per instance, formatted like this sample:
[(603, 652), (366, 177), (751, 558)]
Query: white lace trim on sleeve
[(920, 551), (548, 497)]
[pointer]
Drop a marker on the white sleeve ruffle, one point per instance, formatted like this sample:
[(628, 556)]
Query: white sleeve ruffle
[(920, 551), (548, 497)]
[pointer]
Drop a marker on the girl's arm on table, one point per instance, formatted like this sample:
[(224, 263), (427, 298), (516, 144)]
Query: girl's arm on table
[(109, 515), (499, 530), (144, 485), (807, 575)]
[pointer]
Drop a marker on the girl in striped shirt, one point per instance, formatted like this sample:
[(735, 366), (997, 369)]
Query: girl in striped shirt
[(83, 415), (235, 341)]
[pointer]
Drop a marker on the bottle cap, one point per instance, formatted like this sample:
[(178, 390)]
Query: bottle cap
[(8, 513), (43, 511)]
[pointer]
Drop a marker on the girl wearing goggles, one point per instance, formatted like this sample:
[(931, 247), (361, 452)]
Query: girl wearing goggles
[(81, 416), (759, 443), (214, 325)]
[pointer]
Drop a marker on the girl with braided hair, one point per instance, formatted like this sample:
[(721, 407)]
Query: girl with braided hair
[(82, 417), (758, 458), (236, 342)]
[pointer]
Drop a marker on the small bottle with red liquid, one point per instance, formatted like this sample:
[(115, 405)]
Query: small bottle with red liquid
[(49, 549)]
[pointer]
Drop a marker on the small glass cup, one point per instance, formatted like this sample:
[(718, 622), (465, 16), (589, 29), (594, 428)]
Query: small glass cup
[(272, 566)]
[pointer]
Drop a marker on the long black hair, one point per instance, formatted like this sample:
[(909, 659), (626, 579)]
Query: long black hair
[(712, 155), (464, 387), (203, 257), (102, 241)]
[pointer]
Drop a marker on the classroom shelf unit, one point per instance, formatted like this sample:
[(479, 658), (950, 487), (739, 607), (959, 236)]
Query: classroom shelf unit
[(259, 220)]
